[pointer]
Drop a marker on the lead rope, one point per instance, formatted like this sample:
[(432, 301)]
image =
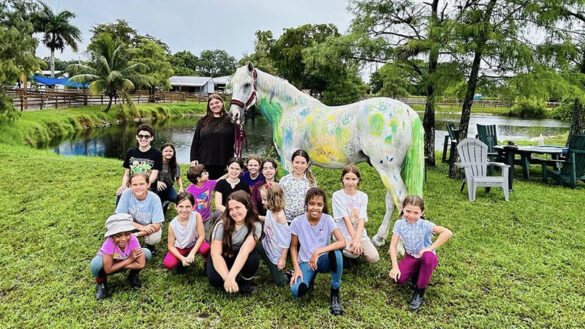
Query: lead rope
[(240, 135)]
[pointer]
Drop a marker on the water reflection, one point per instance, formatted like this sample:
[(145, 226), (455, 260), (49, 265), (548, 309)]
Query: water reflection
[(112, 142)]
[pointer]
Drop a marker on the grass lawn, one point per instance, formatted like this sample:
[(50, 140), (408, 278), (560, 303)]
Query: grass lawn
[(508, 264)]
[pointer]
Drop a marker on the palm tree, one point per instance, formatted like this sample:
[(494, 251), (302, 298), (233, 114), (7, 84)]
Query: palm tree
[(110, 72), (57, 31)]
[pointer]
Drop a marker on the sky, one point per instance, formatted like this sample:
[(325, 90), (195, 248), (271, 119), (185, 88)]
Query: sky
[(198, 25)]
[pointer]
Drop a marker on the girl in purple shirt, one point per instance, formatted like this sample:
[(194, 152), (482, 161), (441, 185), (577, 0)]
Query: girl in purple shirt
[(313, 231)]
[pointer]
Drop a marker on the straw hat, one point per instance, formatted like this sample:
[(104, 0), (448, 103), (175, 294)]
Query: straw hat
[(118, 223)]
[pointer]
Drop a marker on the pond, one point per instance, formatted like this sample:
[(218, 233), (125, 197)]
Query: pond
[(112, 142)]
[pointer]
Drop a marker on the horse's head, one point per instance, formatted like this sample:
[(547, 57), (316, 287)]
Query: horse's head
[(244, 93)]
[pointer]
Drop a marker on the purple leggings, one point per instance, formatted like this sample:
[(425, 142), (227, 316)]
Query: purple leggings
[(424, 267)]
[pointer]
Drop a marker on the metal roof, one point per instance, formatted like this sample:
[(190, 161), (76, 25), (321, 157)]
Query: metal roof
[(222, 80), (188, 81)]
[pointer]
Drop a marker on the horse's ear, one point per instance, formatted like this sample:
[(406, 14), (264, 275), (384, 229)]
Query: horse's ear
[(250, 67)]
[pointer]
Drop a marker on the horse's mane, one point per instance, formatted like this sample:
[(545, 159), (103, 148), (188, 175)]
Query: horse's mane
[(279, 85)]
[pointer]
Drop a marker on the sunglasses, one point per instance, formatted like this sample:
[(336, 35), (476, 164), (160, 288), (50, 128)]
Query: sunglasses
[(143, 136)]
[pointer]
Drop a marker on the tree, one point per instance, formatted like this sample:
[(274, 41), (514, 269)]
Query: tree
[(153, 55), (17, 49), (184, 63), (215, 63), (400, 32), (110, 72), (287, 54), (331, 73), (261, 56), (561, 56), (57, 31), (120, 32), (488, 32)]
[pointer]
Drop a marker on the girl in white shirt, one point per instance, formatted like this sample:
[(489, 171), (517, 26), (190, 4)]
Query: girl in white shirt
[(350, 213)]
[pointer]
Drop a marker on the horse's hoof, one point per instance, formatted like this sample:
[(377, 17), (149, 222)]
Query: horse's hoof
[(378, 241)]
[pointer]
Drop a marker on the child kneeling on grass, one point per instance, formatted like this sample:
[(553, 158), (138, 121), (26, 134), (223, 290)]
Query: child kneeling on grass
[(313, 231), (186, 235), (420, 259), (145, 208), (234, 259), (120, 251), (274, 246)]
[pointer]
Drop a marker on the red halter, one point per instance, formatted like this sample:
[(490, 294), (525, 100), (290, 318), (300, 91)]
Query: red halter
[(239, 132)]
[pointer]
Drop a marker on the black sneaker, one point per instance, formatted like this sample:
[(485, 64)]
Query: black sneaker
[(133, 279), (288, 274), (101, 291), (417, 299), (245, 287), (179, 269)]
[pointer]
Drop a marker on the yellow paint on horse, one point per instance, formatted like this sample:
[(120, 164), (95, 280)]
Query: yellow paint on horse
[(389, 189), (331, 118)]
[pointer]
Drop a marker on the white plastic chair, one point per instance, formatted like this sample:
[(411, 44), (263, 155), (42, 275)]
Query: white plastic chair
[(474, 160)]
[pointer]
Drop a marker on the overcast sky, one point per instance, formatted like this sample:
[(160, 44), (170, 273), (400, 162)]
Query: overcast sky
[(197, 25)]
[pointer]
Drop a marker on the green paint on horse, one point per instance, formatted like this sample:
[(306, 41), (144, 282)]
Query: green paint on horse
[(376, 124)]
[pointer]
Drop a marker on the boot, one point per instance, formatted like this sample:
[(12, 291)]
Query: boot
[(101, 290), (133, 279), (335, 307), (417, 299)]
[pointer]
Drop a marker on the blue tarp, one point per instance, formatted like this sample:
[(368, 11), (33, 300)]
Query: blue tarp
[(54, 81)]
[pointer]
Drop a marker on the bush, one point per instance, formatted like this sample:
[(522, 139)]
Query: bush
[(528, 108), (564, 111)]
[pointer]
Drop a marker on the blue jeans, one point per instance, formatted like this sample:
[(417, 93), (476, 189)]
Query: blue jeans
[(322, 267), (97, 264), (168, 194)]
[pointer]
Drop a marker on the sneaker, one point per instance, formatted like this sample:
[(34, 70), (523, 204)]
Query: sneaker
[(417, 299), (101, 291), (288, 274), (245, 287), (179, 269)]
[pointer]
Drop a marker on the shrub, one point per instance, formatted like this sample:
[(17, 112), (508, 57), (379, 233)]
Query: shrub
[(564, 111), (528, 108)]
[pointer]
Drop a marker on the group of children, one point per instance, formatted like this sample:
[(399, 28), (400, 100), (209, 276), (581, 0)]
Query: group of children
[(256, 217)]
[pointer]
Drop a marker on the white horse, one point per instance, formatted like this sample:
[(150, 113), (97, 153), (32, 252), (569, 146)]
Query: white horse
[(382, 131)]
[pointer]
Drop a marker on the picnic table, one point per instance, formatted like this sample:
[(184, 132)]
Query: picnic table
[(508, 154)]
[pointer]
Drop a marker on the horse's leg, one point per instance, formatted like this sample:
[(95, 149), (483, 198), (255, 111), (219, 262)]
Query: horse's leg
[(380, 238), (395, 193)]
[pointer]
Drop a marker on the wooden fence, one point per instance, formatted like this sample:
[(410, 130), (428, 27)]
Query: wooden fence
[(53, 99)]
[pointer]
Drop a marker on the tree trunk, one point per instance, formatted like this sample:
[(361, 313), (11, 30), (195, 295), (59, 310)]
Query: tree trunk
[(577, 120), (52, 62), (472, 83), (578, 115), (109, 104), (429, 118)]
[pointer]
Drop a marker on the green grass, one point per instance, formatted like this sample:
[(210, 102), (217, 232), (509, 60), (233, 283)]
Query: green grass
[(478, 108), (509, 264), (38, 128)]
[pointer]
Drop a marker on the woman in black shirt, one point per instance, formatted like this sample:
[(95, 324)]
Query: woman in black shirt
[(213, 141)]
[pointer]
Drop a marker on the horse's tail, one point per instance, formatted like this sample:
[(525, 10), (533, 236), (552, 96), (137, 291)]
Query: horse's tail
[(414, 163)]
